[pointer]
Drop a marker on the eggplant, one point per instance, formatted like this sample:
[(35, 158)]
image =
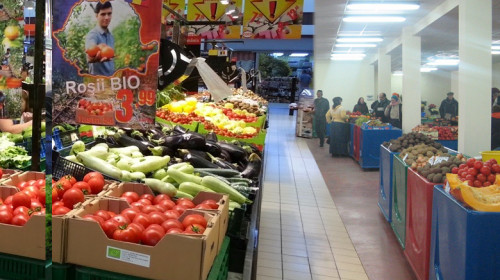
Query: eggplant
[(253, 167), (202, 154), (212, 148), (136, 134), (179, 130), (225, 155), (198, 162), (189, 140), (236, 152), (155, 133), (126, 141), (211, 136), (127, 130), (100, 139), (221, 163)]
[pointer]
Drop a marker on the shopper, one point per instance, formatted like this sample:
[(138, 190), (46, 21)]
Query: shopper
[(101, 35), (393, 111), (379, 107), (449, 107), (495, 128), (304, 80), (339, 129), (321, 107), (495, 96), (361, 107)]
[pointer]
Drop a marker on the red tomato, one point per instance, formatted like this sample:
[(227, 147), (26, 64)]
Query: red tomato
[(143, 219), (5, 216), (138, 228), (454, 170), (478, 165), (8, 200), (471, 162), (212, 203), (491, 178), (203, 207), (21, 199), (182, 199), (62, 186), (477, 184), (20, 219), (21, 210), (149, 209), (72, 197), (6, 207), (126, 234), (194, 229), (161, 197), (121, 220), (167, 204), (70, 178), (57, 204), (472, 171), (172, 214), (145, 201), (469, 177), (36, 205), (470, 183), (31, 182), (137, 205), (172, 223), (194, 219), (40, 183), (130, 213), (84, 187), (94, 218), (147, 196), (157, 217), (152, 235), (186, 203), (92, 175), (180, 209), (462, 166), (61, 210), (103, 214), (109, 227), (22, 185), (495, 168), (175, 230), (486, 184), (96, 185), (481, 178), (485, 170)]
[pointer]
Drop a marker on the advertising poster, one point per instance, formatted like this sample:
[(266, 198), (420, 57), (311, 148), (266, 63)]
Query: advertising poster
[(272, 19), (105, 61), (167, 18), (214, 10), (12, 59)]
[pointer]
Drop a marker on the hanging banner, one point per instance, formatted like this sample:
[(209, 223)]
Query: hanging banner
[(167, 18), (105, 62), (214, 10), (12, 60), (272, 19)]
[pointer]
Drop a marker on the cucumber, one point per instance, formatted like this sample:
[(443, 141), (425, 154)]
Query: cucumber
[(181, 177), (181, 194), (99, 165), (160, 187), (137, 176), (206, 173), (227, 173), (220, 187), (239, 180), (192, 188)]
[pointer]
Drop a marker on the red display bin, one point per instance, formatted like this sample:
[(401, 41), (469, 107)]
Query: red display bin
[(418, 223), (356, 142)]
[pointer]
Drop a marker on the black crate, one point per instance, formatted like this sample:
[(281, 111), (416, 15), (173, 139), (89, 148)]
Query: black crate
[(64, 167)]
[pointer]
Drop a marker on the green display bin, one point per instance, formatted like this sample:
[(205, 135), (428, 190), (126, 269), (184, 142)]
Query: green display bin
[(20, 268), (399, 184), (191, 127), (220, 268), (62, 271)]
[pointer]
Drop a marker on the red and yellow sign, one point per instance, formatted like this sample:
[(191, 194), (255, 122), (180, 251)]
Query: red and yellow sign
[(214, 10), (167, 17), (273, 19)]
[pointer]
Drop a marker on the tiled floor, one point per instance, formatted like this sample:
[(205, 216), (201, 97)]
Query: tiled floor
[(303, 233)]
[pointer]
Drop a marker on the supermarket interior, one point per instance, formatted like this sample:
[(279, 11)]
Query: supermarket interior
[(250, 139)]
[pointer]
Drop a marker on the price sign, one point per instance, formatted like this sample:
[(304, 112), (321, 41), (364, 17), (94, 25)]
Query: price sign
[(107, 74)]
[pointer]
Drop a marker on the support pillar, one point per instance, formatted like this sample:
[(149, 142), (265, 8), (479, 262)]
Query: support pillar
[(412, 97), (384, 73)]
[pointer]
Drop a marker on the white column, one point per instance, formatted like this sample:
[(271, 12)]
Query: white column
[(474, 76), (412, 97), (384, 72)]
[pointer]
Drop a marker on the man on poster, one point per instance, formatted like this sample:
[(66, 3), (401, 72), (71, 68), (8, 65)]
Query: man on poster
[(99, 65)]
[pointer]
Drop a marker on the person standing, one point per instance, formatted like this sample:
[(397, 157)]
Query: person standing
[(339, 130), (321, 107), (393, 112), (495, 128), (449, 107), (304, 80), (379, 107), (495, 96), (361, 106), (101, 35)]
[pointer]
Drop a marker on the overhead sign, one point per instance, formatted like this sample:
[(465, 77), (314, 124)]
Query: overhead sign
[(214, 10), (168, 18), (272, 19), (105, 61)]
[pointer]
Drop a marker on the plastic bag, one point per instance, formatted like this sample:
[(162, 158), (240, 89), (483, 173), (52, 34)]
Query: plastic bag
[(216, 86)]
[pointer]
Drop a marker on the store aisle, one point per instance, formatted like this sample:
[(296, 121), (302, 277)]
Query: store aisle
[(302, 235)]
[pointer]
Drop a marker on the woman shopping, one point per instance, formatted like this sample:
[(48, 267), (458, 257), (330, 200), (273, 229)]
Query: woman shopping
[(393, 111), (339, 129), (361, 107)]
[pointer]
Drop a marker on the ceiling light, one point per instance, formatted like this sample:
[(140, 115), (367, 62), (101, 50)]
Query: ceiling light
[(444, 62), (495, 52), (427, 69), (355, 45), (299, 54), (276, 54), (224, 2), (397, 73), (383, 6), (373, 19), (359, 39), (495, 47), (347, 56)]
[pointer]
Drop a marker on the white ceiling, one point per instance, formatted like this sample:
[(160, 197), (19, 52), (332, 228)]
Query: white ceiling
[(439, 37)]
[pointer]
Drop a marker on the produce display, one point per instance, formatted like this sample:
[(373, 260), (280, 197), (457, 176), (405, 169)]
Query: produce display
[(361, 120), (12, 156), (67, 191), (248, 94), (169, 94), (18, 207), (409, 140), (179, 118), (438, 132), (436, 173), (476, 173), (477, 198), (419, 155)]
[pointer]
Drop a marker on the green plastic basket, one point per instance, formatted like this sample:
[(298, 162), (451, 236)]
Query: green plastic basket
[(191, 127), (62, 271), (20, 268), (220, 267)]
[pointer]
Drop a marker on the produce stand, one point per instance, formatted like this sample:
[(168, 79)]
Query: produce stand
[(398, 216), (464, 243), (385, 189), (369, 145)]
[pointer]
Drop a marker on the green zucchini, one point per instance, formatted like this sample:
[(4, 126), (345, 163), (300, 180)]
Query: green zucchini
[(233, 205), (150, 164), (181, 194), (192, 188), (160, 187), (181, 177), (221, 187), (99, 165), (227, 173)]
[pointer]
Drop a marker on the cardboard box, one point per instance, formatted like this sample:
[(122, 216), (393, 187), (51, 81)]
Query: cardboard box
[(223, 211), (7, 173), (175, 257), (17, 178), (118, 189), (26, 241)]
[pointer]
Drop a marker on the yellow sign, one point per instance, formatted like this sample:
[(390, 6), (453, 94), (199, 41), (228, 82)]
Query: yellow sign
[(273, 19), (214, 10), (177, 5)]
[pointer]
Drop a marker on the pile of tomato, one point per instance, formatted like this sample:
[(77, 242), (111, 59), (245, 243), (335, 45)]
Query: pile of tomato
[(17, 209), (95, 108), (235, 116), (150, 218), (179, 117), (477, 173), (68, 191), (227, 133)]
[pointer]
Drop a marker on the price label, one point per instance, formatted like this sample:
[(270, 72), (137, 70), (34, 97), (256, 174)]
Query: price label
[(404, 159), (125, 112), (147, 97)]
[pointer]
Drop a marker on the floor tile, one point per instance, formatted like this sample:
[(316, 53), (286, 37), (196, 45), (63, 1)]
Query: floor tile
[(266, 271), (296, 267), (326, 271), (294, 275)]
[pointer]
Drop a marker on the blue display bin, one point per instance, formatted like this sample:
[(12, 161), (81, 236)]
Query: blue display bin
[(351, 140), (399, 190), (450, 144), (370, 141), (385, 190), (465, 244)]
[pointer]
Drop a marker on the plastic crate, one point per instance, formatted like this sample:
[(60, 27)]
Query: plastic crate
[(20, 268), (85, 273), (370, 141), (64, 167), (370, 127), (418, 223), (220, 268), (385, 187), (398, 216), (465, 244), (450, 144), (236, 218), (62, 271), (28, 146)]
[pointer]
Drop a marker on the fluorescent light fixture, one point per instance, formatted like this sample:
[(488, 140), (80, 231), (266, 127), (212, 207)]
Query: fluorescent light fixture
[(359, 39), (373, 19), (347, 56), (497, 47), (355, 45), (444, 62), (383, 6), (276, 54), (427, 69), (224, 2), (299, 54), (397, 73), (495, 52)]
